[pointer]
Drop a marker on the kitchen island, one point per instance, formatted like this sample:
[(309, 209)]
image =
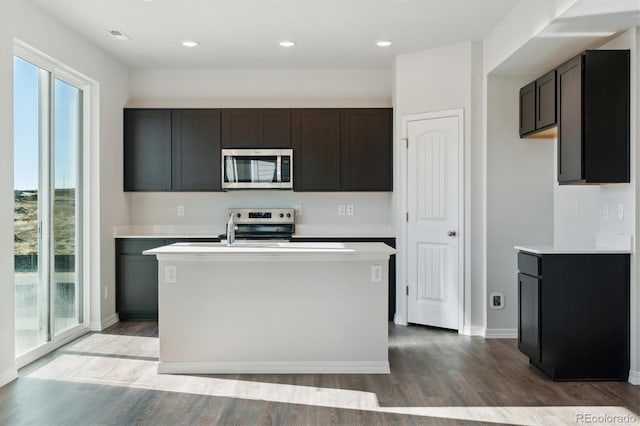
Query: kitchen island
[(263, 307)]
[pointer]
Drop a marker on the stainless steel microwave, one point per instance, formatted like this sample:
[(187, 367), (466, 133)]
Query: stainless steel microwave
[(257, 169)]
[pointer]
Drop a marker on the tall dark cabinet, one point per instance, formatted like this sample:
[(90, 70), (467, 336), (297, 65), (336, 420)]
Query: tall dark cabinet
[(367, 150), (316, 144), (147, 150), (196, 150), (573, 314), (594, 118)]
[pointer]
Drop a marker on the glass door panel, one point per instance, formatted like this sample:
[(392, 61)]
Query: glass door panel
[(31, 124), (66, 190)]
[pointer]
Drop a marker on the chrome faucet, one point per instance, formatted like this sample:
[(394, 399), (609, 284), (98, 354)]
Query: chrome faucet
[(231, 230)]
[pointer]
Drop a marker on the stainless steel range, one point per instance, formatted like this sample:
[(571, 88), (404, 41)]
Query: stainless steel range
[(260, 224)]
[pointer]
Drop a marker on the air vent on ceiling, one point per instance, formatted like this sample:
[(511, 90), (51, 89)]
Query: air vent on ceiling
[(119, 35)]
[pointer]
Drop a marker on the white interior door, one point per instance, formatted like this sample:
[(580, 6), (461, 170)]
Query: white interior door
[(433, 190)]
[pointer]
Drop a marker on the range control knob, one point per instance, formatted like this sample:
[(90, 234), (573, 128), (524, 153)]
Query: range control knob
[(281, 214), (238, 214), (288, 214)]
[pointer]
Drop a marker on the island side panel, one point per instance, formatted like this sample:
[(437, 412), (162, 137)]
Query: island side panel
[(224, 315)]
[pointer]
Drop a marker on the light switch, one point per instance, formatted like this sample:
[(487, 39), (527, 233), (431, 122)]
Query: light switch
[(180, 210), (621, 212), (576, 210), (606, 211)]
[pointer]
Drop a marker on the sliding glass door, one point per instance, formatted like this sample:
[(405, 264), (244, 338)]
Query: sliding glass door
[(48, 206)]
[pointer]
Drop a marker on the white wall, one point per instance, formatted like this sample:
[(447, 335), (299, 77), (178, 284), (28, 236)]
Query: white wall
[(434, 80), (520, 178), (287, 88), (24, 21)]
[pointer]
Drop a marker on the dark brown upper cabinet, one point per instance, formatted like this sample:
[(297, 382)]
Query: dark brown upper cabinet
[(594, 118), (196, 150), (316, 149), (256, 128), (538, 107), (528, 109), (147, 150), (367, 150), (343, 150), (171, 150), (546, 101)]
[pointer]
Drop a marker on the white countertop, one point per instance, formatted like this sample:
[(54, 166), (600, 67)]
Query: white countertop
[(302, 231), (553, 249), (291, 251), (604, 243)]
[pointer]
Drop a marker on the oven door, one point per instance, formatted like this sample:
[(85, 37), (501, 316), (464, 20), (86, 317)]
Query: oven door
[(254, 169)]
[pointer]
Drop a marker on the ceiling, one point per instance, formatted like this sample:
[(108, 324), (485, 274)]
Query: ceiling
[(586, 24), (245, 33)]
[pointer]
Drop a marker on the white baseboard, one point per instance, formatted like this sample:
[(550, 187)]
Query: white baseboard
[(634, 377), (8, 376), (473, 330), (501, 333), (275, 367), (107, 322), (397, 319)]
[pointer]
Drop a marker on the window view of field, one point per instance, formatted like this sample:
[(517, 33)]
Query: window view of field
[(32, 305)]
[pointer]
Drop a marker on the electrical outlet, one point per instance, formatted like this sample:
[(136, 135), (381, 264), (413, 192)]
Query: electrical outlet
[(620, 211), (180, 210), (376, 273), (342, 210), (606, 211), (170, 274), (298, 209), (496, 301), (350, 210)]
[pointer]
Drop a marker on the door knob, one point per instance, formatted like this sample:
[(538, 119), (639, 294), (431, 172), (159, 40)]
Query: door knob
[(452, 233)]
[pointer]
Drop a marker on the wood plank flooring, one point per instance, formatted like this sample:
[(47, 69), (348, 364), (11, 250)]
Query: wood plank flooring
[(437, 377)]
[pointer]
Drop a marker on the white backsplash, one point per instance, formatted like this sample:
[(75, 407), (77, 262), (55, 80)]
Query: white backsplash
[(161, 208)]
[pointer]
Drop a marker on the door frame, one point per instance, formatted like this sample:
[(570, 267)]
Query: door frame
[(402, 163), (87, 213)]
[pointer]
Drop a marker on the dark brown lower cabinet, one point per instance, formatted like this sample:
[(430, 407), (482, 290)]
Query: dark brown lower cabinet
[(137, 277), (573, 314)]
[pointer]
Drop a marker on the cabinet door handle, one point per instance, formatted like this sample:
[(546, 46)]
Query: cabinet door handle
[(452, 233)]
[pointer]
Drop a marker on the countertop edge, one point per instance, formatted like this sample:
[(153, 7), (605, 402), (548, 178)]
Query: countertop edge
[(540, 249)]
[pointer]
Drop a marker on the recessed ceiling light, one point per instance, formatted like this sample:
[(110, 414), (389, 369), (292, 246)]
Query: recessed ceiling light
[(119, 35), (190, 43), (384, 43), (288, 43)]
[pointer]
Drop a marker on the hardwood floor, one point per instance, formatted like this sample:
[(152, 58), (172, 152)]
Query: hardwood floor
[(437, 377)]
